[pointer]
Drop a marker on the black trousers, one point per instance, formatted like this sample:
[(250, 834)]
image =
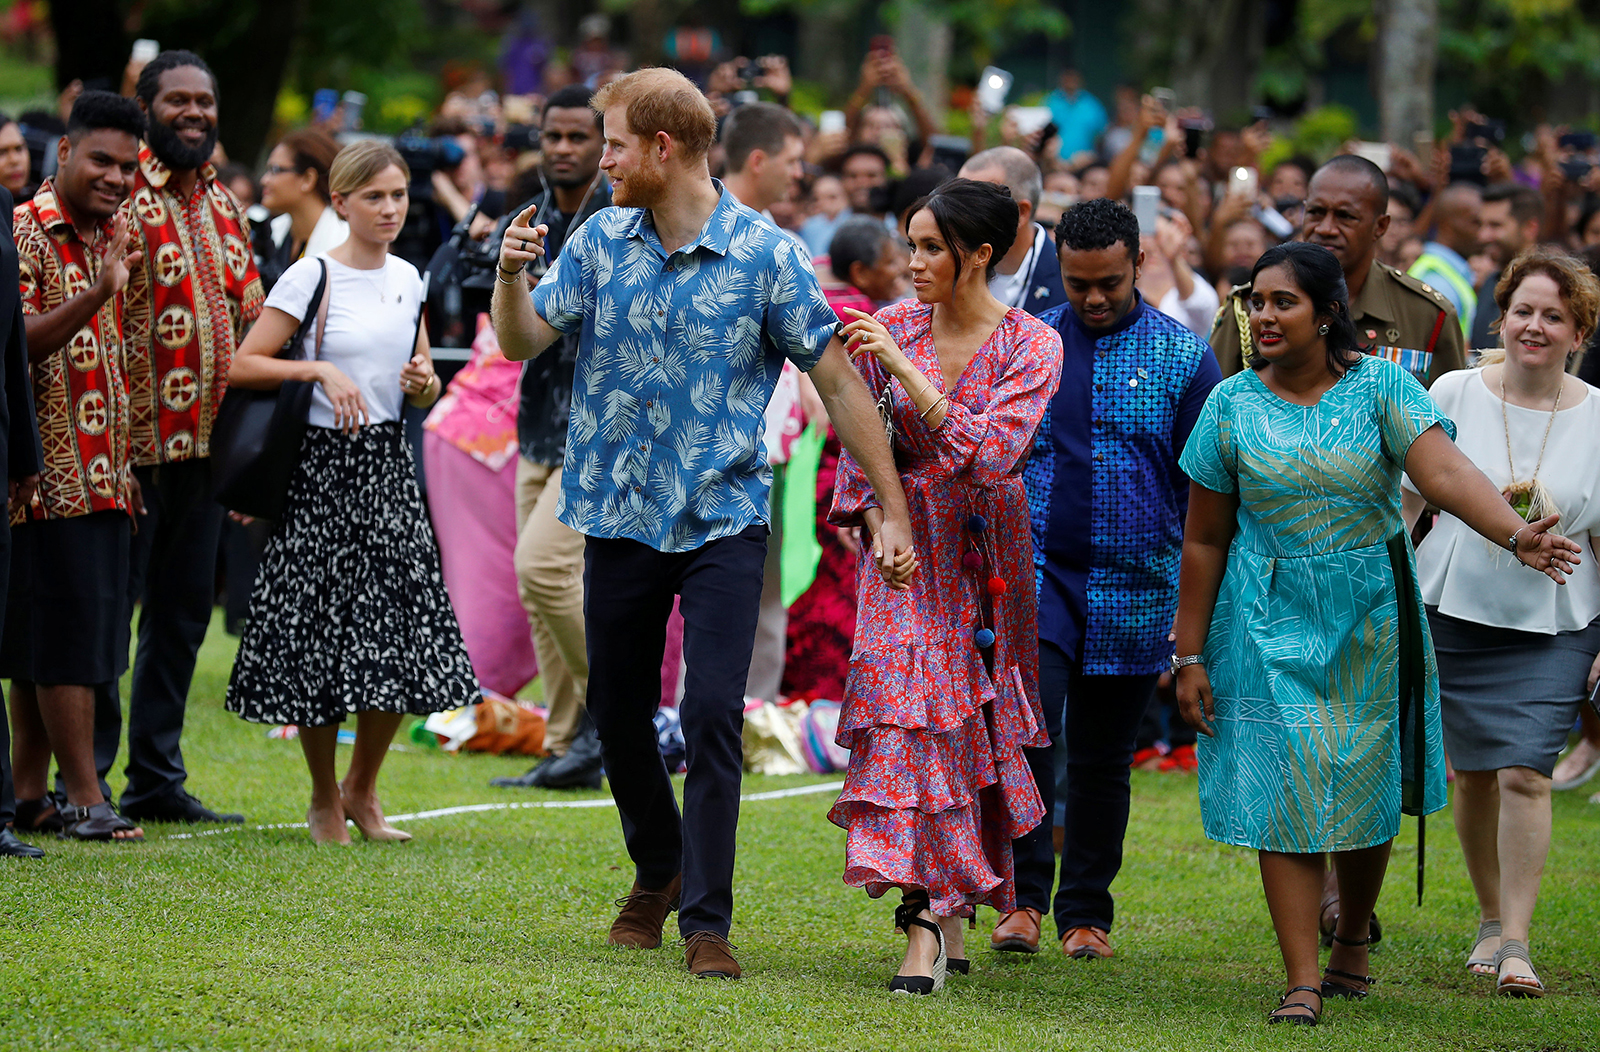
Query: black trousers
[(1099, 719), (8, 792), (627, 598), (173, 579)]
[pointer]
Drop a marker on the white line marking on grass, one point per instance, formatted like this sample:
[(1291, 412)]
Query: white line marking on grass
[(526, 805)]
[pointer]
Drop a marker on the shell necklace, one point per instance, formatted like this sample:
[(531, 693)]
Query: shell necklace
[(1530, 499)]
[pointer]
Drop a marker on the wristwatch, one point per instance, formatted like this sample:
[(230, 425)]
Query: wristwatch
[(1176, 662)]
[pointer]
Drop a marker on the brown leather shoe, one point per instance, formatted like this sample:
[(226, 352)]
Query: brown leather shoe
[(644, 911), (1018, 932), (1087, 944), (709, 956)]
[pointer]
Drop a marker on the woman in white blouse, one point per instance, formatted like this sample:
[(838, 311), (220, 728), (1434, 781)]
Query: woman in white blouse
[(1517, 652)]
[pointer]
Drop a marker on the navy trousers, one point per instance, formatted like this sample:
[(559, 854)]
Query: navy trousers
[(1096, 720), (627, 598)]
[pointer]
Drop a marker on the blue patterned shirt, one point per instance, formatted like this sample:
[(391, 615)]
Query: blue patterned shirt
[(1106, 496), (677, 358)]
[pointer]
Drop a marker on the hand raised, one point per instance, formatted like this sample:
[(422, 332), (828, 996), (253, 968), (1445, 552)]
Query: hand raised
[(523, 242), (869, 334), (118, 262)]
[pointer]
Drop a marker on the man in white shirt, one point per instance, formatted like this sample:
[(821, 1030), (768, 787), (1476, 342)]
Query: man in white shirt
[(1029, 276)]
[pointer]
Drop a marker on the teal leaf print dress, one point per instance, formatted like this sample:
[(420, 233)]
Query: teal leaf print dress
[(1322, 670)]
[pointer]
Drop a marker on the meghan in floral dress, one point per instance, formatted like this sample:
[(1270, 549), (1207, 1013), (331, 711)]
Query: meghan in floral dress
[(943, 690)]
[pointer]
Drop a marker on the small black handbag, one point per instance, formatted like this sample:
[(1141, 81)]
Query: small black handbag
[(255, 442)]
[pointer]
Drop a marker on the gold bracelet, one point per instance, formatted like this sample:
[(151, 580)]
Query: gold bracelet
[(924, 414)]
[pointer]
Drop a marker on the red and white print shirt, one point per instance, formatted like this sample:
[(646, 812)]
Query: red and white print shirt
[(80, 394), (188, 306)]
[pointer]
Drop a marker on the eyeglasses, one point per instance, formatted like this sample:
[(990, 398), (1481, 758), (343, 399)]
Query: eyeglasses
[(278, 169)]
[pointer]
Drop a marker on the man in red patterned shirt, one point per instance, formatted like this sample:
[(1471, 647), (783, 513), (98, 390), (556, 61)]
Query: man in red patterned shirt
[(66, 625), (188, 305)]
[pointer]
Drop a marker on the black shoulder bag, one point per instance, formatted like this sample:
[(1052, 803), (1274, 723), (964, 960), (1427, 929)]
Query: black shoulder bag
[(255, 443)]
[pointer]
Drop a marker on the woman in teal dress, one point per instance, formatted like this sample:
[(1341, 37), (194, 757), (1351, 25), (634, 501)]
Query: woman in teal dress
[(1302, 647)]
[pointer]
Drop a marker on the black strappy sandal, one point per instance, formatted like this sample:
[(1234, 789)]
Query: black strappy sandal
[(905, 915), (1345, 990), (98, 822), (38, 816), (1297, 1020)]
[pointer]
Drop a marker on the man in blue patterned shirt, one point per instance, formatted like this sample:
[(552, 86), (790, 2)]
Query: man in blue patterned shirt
[(686, 304), (1107, 501)]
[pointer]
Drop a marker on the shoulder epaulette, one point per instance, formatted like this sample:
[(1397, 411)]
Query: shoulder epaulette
[(1419, 287)]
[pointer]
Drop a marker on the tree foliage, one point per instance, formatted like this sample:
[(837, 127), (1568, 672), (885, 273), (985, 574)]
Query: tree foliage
[(1510, 56)]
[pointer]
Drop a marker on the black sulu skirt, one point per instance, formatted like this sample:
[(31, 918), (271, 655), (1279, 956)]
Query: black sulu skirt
[(349, 611)]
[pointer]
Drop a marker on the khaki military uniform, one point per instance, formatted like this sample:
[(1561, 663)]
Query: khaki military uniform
[(1397, 317)]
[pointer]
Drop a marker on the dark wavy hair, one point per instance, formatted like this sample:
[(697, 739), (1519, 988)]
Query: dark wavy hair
[(1100, 222), (971, 214), (1321, 278)]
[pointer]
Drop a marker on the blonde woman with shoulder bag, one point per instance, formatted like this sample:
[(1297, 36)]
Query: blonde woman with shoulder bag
[(349, 612)]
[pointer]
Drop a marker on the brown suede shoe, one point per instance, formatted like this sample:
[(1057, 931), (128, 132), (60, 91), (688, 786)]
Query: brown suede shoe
[(1087, 944), (710, 956), (1018, 932), (643, 913)]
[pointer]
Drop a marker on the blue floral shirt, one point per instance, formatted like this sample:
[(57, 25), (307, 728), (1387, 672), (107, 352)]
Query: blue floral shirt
[(1106, 496), (678, 356)]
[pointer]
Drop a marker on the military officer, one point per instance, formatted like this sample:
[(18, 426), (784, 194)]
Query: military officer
[(1397, 316)]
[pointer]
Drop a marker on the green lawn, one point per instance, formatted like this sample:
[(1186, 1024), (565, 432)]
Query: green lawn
[(487, 932)]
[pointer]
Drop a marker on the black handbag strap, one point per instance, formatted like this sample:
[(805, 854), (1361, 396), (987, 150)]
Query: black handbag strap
[(422, 306), (295, 349)]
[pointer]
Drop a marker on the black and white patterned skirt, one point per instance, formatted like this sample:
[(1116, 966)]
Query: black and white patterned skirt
[(349, 611)]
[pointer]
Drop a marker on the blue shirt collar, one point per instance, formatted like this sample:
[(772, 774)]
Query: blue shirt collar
[(716, 235)]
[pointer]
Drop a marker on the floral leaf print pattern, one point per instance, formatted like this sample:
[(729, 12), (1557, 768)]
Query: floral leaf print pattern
[(678, 356)]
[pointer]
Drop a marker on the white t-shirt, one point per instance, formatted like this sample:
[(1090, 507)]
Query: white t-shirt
[(1468, 577), (372, 328)]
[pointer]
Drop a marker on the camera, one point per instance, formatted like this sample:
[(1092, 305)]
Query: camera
[(424, 156), (521, 137), (1466, 164), (1575, 168), (1485, 131), (1582, 142)]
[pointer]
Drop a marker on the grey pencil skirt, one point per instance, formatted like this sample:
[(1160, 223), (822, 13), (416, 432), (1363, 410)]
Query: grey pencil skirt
[(1509, 698)]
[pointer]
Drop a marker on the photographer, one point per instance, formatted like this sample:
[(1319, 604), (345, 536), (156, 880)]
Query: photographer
[(873, 121)]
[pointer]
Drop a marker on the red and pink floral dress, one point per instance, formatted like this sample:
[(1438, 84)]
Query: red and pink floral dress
[(943, 691)]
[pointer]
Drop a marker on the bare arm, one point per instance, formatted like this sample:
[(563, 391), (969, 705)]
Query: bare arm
[(1119, 179), (1206, 537), (49, 332), (855, 420), (420, 383), (518, 327), (1447, 479), (256, 366), (1411, 508)]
